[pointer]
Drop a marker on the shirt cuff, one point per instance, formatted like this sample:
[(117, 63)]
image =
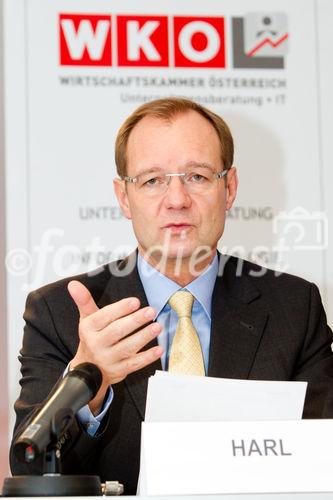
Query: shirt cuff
[(89, 421), (92, 422)]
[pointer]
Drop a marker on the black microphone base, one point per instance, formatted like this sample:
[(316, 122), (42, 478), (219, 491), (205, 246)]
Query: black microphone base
[(56, 485)]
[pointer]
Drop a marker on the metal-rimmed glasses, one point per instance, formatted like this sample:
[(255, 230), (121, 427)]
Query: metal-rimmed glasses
[(154, 182)]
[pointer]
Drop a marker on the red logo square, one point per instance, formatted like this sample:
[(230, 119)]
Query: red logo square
[(85, 40), (199, 42), (142, 40)]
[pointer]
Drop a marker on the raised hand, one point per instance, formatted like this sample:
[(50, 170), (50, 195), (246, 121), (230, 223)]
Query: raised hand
[(105, 338)]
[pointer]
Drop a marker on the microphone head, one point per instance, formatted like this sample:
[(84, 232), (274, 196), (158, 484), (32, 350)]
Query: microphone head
[(90, 374)]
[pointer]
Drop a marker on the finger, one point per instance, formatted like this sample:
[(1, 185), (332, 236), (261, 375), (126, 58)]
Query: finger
[(128, 347), (82, 298), (139, 360), (112, 312), (122, 327)]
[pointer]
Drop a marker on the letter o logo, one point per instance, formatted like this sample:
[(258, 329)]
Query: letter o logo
[(186, 41), (199, 42)]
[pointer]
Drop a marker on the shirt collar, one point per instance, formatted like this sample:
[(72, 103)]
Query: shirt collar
[(158, 288)]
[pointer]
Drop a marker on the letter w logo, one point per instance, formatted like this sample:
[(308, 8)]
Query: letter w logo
[(85, 40)]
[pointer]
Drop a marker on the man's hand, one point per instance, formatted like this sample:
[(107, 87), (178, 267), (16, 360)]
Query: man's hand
[(104, 338)]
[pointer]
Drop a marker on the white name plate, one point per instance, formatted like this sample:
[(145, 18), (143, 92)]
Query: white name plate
[(190, 458)]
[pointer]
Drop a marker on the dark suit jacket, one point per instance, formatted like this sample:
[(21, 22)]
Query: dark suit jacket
[(263, 327)]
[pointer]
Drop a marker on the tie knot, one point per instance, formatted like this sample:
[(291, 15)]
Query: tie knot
[(182, 302)]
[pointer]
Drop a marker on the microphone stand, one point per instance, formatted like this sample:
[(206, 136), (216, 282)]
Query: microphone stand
[(52, 482)]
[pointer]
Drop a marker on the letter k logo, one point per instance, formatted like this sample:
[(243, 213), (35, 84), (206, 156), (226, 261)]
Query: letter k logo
[(142, 41)]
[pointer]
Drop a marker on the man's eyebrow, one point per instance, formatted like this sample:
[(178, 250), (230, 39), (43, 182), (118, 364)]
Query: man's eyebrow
[(149, 171), (199, 164)]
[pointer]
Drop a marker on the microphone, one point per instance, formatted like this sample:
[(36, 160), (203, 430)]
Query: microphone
[(75, 390)]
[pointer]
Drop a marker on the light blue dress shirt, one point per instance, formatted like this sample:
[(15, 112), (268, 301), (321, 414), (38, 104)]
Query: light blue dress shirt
[(158, 289)]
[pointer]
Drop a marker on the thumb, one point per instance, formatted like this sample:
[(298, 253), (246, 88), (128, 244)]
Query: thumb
[(82, 298)]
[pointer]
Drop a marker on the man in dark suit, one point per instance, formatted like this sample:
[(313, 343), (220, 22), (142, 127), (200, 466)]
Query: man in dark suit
[(174, 159)]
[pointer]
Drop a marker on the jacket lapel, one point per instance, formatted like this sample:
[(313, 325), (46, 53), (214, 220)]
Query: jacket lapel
[(127, 283), (238, 321)]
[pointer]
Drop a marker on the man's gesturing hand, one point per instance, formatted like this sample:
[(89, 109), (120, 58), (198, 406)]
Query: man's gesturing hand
[(105, 340)]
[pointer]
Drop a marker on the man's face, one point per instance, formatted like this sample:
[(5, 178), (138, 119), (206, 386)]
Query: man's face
[(178, 220)]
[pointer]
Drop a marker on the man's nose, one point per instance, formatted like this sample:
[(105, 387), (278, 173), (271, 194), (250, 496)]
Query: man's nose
[(177, 195)]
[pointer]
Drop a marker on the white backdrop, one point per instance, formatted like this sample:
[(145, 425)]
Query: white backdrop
[(74, 69)]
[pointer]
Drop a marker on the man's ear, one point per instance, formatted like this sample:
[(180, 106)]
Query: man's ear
[(119, 186), (232, 185)]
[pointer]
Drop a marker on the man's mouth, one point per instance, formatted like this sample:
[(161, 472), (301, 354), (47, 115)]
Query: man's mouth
[(177, 227)]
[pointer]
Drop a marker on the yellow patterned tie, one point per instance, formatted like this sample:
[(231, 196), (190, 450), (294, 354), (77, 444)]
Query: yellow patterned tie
[(186, 354)]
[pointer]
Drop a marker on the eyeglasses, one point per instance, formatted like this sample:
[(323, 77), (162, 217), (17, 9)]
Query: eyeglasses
[(200, 179)]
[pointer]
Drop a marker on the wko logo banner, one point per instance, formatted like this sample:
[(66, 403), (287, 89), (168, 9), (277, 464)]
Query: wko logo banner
[(259, 40), (86, 40)]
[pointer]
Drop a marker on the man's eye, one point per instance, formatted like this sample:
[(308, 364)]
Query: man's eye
[(152, 181), (198, 178)]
